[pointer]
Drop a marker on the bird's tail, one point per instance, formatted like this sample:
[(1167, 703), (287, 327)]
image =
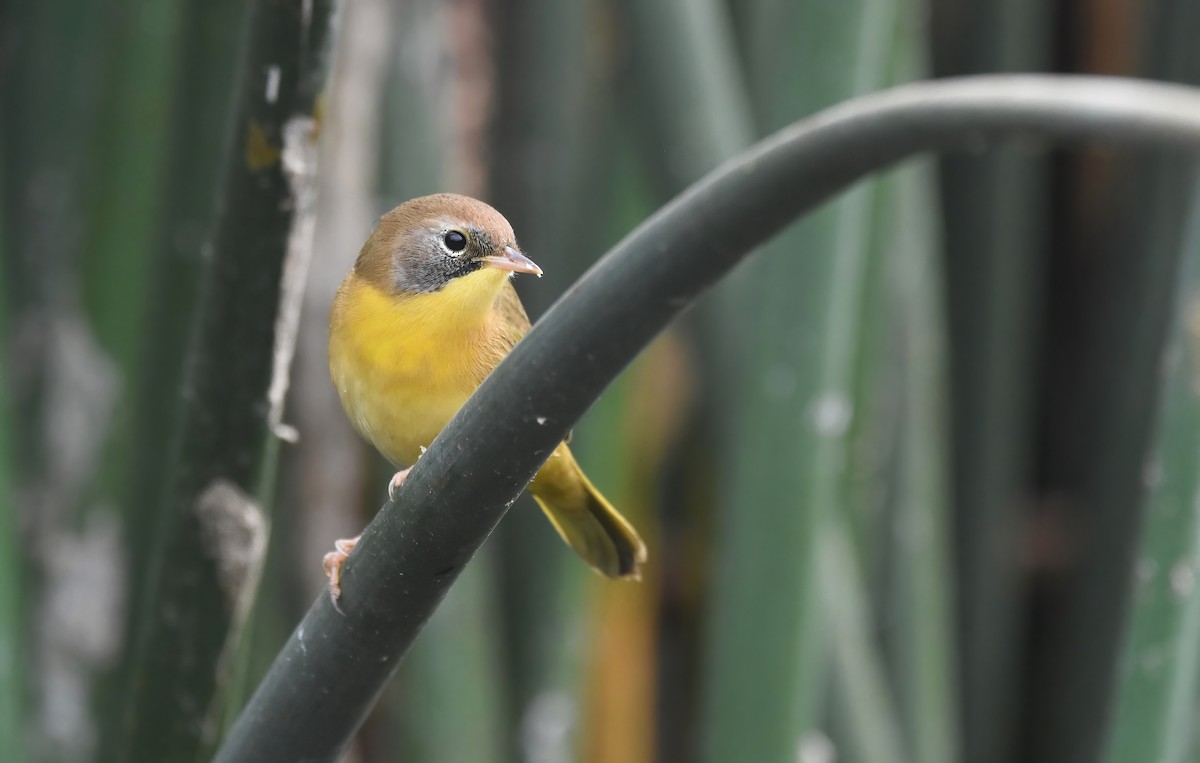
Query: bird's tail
[(585, 520)]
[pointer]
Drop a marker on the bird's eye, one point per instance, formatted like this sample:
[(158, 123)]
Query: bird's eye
[(455, 241)]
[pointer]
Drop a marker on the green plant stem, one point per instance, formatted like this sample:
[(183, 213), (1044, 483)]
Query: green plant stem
[(694, 110), (12, 688), (129, 154), (693, 113), (690, 84), (1160, 665), (208, 546), (537, 179), (336, 663), (918, 587), (49, 102), (452, 707), (197, 130), (995, 214), (872, 721), (922, 587), (793, 403), (1121, 386)]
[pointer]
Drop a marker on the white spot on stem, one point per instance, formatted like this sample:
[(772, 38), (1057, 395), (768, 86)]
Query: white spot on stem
[(546, 728), (274, 74), (831, 414), (233, 530), (815, 747)]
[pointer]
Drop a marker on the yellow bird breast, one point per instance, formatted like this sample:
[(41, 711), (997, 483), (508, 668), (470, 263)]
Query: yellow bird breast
[(404, 365)]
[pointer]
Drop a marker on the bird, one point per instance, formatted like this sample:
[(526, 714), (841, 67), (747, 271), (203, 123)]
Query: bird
[(426, 313)]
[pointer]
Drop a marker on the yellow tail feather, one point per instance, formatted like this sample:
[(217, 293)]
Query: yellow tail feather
[(585, 520)]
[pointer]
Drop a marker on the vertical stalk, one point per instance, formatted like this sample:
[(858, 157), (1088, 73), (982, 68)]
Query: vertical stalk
[(210, 539), (692, 113), (449, 704), (197, 128), (198, 141), (622, 439), (695, 112), (49, 101), (918, 590), (995, 212), (1137, 245), (57, 385), (546, 66), (794, 405), (128, 161), (1159, 678), (12, 688), (872, 721), (124, 208), (921, 586)]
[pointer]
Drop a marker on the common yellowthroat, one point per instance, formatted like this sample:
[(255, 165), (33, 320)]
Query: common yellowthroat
[(427, 312)]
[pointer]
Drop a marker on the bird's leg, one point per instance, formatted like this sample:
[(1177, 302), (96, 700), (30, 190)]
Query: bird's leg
[(332, 563), (396, 481)]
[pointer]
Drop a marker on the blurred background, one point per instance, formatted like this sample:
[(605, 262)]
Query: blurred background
[(920, 482)]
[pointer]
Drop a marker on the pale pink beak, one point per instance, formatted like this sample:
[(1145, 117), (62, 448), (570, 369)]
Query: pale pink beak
[(512, 260)]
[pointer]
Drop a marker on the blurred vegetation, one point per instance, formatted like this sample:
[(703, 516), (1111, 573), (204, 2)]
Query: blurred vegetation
[(995, 211), (893, 473)]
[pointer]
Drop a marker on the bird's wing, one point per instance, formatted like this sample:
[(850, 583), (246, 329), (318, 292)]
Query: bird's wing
[(512, 313), (515, 322), (510, 325)]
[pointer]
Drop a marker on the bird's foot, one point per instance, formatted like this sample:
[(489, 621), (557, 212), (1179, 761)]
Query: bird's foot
[(396, 481), (332, 563)]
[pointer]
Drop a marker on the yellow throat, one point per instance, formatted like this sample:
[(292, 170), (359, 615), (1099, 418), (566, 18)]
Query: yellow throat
[(403, 364)]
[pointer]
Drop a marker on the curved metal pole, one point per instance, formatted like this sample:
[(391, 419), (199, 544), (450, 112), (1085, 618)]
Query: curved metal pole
[(333, 668)]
